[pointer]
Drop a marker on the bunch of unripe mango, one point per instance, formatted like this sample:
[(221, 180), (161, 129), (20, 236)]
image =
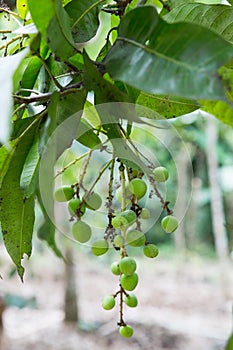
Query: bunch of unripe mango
[(126, 228)]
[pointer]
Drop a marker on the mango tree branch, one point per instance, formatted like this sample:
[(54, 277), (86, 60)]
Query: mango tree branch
[(18, 99)]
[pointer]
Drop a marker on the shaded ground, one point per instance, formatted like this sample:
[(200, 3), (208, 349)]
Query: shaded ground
[(182, 305)]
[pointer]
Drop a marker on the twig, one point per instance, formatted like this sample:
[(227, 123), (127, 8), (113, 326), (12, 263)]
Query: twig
[(9, 12), (166, 6), (22, 106), (11, 41), (47, 96), (122, 178), (121, 321), (70, 164), (5, 31), (165, 204), (58, 85), (110, 191), (85, 167)]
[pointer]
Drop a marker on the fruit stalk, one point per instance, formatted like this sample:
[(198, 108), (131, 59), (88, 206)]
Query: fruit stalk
[(110, 192), (121, 321), (87, 161), (122, 177), (165, 204)]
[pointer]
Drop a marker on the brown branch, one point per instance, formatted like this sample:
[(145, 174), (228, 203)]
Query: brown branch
[(47, 96)]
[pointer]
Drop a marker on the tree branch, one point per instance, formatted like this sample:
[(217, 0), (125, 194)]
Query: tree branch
[(47, 96)]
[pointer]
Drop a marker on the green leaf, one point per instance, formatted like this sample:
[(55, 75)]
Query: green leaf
[(165, 106), (181, 59), (218, 18), (53, 22), (62, 107), (77, 61), (42, 11), (46, 232), (103, 89), (220, 110), (86, 136), (30, 170), (6, 154), (16, 211), (85, 18), (30, 75), (8, 66), (22, 7)]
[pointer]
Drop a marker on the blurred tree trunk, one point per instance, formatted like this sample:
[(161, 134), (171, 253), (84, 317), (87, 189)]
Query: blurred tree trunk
[(71, 302), (2, 308), (217, 211), (182, 163), (192, 214)]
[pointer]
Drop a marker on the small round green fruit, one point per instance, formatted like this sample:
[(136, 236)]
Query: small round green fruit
[(126, 331), (81, 231), (119, 241), (150, 250), (74, 207), (131, 300), (160, 174), (119, 222), (138, 187), (169, 223), (100, 247), (94, 201), (130, 216), (115, 268), (129, 282), (127, 266), (63, 194), (108, 302), (135, 238)]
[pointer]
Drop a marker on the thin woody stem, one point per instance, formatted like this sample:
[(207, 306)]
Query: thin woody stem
[(58, 85), (165, 204)]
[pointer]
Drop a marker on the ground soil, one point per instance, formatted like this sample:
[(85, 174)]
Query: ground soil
[(183, 304)]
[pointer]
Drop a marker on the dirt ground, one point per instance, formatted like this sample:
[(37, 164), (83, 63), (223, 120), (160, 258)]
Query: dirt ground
[(183, 304)]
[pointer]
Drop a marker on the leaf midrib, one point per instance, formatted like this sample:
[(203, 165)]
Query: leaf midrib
[(156, 53), (86, 12), (170, 100)]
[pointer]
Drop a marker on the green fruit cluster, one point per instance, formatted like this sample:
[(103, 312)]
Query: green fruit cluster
[(124, 230), (77, 206), (124, 219)]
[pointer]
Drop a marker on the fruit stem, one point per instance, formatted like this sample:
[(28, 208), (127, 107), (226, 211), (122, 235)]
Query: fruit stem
[(122, 178), (137, 151), (110, 191), (88, 192), (165, 204), (121, 321), (71, 163), (85, 167)]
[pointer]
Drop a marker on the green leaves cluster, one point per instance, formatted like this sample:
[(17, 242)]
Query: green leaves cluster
[(174, 63)]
